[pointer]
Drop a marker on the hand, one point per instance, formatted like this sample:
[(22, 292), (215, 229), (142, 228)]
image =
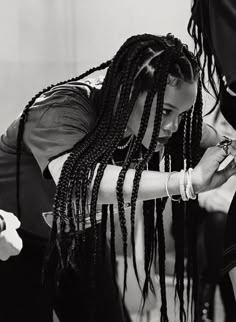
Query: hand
[(207, 175), (214, 201), (218, 199), (10, 242), (232, 148)]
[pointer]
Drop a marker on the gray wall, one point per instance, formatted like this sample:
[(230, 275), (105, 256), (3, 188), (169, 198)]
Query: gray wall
[(45, 41)]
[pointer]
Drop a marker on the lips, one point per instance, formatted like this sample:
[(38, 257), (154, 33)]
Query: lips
[(163, 140)]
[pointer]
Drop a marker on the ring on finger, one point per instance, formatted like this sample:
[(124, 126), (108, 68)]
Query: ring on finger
[(224, 144)]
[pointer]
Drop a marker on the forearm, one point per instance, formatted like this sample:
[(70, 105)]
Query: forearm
[(152, 183)]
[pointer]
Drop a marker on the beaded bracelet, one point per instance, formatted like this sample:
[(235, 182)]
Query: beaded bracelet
[(167, 191)]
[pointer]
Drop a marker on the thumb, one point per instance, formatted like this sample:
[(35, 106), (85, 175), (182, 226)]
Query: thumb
[(13, 241), (12, 222), (229, 169)]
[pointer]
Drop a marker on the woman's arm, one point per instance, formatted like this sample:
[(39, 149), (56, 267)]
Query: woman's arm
[(152, 184), (205, 176)]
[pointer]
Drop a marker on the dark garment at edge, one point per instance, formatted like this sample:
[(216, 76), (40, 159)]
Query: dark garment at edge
[(56, 122), (223, 32), (222, 19), (216, 19), (218, 24), (25, 299)]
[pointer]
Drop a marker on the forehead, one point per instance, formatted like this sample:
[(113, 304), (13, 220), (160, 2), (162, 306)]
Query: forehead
[(182, 96)]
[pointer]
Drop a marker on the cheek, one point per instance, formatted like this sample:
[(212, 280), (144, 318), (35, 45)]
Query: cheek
[(164, 122)]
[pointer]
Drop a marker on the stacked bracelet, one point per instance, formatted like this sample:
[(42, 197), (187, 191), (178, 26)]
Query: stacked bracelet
[(185, 185), (182, 186), (167, 191), (189, 187)]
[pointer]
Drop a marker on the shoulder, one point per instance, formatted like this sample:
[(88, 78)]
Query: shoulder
[(67, 102), (77, 91)]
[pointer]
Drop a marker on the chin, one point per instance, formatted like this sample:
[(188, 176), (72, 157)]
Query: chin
[(159, 147)]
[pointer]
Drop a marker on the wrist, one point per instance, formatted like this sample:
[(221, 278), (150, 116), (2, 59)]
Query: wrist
[(196, 181), (173, 183), (181, 183)]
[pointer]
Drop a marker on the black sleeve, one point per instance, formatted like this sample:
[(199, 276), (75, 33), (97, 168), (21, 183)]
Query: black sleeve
[(56, 123), (222, 19)]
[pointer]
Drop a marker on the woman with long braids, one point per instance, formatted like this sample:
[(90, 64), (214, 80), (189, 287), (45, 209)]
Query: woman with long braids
[(213, 28), (87, 151)]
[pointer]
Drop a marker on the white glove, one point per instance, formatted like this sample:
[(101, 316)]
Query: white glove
[(10, 242)]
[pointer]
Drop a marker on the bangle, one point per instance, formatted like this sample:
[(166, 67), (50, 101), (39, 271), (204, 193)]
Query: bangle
[(2, 224), (183, 193), (189, 188), (167, 191)]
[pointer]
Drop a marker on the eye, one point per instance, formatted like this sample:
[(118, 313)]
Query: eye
[(166, 112)]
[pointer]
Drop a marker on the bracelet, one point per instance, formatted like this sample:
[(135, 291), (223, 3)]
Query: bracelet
[(183, 193), (167, 191), (2, 224), (189, 188)]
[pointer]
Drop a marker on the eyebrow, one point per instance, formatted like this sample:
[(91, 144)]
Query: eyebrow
[(170, 105)]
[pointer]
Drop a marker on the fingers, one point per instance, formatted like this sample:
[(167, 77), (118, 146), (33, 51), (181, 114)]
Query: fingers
[(228, 145), (233, 145), (222, 152), (10, 244), (10, 219), (229, 169), (214, 156), (232, 150)]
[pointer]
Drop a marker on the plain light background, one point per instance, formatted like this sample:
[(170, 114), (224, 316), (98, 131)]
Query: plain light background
[(46, 41)]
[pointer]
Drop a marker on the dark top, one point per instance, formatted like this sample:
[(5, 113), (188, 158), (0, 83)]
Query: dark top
[(58, 119), (220, 32), (217, 20), (223, 33)]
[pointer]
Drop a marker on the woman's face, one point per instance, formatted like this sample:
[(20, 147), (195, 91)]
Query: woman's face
[(179, 97)]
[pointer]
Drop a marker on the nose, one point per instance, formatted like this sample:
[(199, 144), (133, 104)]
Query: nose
[(171, 125)]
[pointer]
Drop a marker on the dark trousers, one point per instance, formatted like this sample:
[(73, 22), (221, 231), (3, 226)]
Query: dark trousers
[(210, 252), (24, 297)]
